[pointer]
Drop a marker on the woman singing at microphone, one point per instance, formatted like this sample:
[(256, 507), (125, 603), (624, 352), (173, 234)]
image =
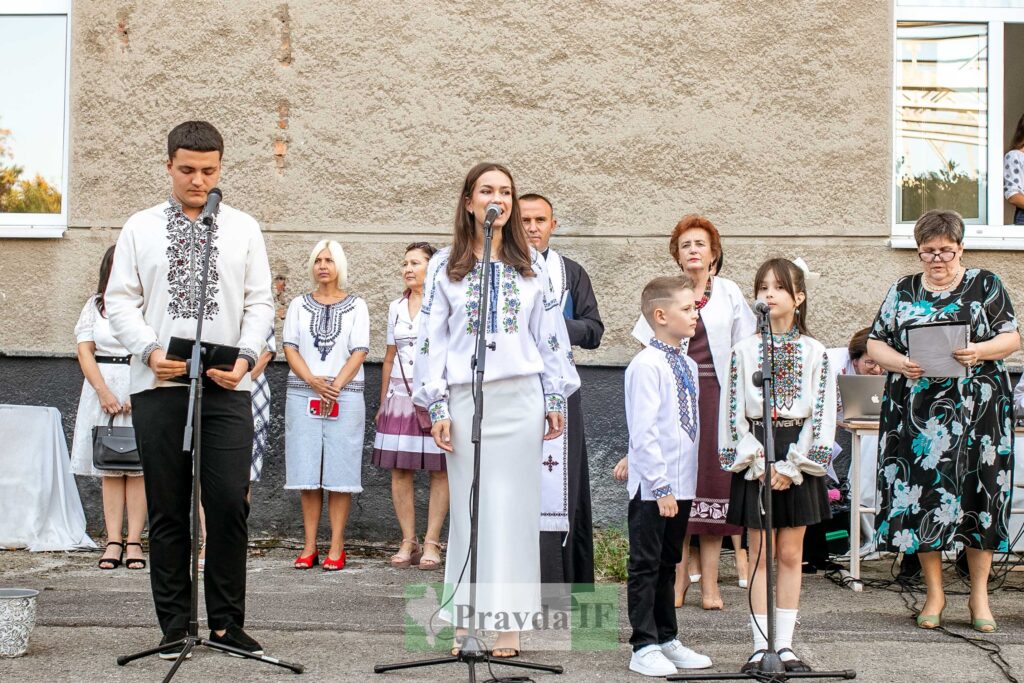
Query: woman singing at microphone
[(529, 373)]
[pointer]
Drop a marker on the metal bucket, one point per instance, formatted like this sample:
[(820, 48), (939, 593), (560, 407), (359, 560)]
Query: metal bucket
[(17, 618)]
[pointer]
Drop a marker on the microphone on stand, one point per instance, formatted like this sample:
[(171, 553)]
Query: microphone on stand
[(493, 211), (761, 307), (212, 206)]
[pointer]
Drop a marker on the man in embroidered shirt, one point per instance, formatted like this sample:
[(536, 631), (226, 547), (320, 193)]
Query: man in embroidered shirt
[(153, 294), (661, 412), (566, 498)]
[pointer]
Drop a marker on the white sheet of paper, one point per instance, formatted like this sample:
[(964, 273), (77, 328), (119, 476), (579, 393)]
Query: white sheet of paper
[(932, 347)]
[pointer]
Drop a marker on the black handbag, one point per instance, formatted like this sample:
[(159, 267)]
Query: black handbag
[(114, 448)]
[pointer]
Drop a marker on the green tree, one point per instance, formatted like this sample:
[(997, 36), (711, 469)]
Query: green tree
[(23, 196)]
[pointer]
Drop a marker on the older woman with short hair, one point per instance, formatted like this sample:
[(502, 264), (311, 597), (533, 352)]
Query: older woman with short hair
[(946, 444)]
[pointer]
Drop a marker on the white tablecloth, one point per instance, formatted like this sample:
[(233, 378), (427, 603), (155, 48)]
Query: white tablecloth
[(39, 504)]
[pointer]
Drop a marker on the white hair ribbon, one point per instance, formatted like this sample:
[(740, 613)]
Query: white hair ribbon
[(802, 265)]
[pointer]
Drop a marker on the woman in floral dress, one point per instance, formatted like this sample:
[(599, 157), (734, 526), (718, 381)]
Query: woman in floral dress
[(945, 463)]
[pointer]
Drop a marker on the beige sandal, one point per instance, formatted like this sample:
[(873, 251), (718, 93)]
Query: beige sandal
[(402, 560), (429, 564)]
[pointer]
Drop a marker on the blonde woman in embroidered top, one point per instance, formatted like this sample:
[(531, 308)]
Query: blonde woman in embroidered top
[(105, 395), (400, 444), (528, 375), (804, 417), (326, 339)]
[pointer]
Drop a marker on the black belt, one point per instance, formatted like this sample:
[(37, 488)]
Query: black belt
[(114, 360), (795, 422)]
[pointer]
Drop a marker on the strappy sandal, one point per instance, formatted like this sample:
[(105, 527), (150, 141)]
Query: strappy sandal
[(429, 564), (793, 665), (112, 561), (506, 653), (135, 562), (402, 560)]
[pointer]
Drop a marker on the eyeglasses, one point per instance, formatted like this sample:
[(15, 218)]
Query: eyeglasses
[(933, 256)]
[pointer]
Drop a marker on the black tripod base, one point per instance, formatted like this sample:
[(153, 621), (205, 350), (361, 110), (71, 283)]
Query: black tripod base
[(771, 669), (190, 643), (471, 660)]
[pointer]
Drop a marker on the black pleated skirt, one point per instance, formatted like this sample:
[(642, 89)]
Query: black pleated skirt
[(799, 505)]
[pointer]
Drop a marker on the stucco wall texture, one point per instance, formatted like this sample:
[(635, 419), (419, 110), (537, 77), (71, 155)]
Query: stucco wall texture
[(359, 120)]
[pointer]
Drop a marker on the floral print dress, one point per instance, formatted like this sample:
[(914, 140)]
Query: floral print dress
[(945, 465)]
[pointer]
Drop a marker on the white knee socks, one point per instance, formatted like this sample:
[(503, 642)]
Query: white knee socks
[(759, 629), (785, 622)]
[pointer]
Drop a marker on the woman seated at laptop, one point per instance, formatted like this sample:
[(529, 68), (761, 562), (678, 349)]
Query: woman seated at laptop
[(849, 360)]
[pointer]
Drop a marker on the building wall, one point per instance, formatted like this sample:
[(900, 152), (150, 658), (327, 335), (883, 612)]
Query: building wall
[(358, 120)]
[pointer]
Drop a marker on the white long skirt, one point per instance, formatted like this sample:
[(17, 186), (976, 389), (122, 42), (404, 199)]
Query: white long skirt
[(508, 568)]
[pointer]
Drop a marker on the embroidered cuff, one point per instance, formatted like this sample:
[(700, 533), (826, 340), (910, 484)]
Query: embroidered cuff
[(364, 349), (661, 492), (290, 345), (555, 403), (148, 351), (438, 411), (250, 357)]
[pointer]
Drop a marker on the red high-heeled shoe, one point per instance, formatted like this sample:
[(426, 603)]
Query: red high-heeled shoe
[(307, 561), (334, 565)]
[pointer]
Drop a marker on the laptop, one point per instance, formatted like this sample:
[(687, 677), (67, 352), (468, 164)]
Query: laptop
[(861, 396)]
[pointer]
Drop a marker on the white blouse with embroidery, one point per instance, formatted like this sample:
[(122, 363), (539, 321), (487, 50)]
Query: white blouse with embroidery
[(663, 421), (326, 335), (524, 324), (402, 332), (805, 389)]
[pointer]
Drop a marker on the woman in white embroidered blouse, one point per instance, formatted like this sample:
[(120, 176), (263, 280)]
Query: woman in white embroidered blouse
[(105, 397), (326, 339), (804, 423), (400, 444), (529, 372)]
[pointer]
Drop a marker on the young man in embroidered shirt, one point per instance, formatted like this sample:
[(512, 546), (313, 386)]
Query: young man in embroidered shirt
[(661, 412), (153, 295)]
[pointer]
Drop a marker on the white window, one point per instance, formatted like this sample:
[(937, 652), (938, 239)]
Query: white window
[(958, 85), (35, 45)]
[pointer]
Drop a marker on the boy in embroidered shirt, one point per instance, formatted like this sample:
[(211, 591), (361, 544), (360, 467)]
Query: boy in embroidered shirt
[(661, 412)]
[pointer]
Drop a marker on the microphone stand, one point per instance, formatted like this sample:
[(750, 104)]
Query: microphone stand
[(472, 650), (771, 666), (193, 435)]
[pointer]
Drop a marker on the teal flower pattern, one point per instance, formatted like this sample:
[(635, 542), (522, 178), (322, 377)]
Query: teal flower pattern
[(945, 465)]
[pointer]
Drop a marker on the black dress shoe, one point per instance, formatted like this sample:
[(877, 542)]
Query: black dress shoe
[(172, 653), (752, 663), (235, 637), (793, 665)]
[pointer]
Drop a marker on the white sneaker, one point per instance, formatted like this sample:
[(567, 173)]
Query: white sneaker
[(683, 657), (650, 661)]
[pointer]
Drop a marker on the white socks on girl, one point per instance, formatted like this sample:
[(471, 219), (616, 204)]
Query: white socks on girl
[(785, 623)]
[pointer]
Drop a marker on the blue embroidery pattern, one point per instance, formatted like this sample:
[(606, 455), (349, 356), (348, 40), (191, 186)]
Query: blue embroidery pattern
[(553, 342), (661, 492), (438, 411), (510, 291), (819, 402), (686, 390), (473, 300)]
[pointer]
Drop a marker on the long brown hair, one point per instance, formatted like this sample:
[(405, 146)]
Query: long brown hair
[(1018, 136), (106, 263), (792, 280), (515, 248)]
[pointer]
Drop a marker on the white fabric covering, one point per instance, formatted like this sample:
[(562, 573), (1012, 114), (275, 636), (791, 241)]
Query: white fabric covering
[(39, 504)]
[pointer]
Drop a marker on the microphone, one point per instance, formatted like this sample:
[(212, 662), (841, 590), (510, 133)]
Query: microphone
[(212, 206), (493, 211), (761, 308)]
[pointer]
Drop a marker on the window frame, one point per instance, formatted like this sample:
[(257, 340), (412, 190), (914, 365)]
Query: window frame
[(45, 225), (993, 235)]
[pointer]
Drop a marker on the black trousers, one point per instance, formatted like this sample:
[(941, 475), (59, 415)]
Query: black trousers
[(159, 417), (655, 548)]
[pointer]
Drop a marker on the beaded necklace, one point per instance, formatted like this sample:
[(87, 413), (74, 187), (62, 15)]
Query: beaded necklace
[(786, 336), (707, 294)]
